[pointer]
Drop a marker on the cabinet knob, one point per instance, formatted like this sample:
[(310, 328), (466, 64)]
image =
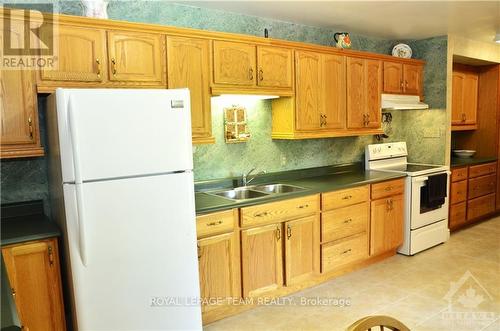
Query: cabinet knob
[(30, 127), (113, 66), (98, 62)]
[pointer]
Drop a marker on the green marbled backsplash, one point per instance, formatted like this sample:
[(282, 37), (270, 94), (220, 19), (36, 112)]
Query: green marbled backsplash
[(24, 180)]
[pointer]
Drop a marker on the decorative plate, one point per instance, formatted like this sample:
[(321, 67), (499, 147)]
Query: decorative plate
[(402, 50)]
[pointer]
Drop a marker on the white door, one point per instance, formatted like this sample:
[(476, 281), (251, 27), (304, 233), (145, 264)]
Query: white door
[(112, 133), (133, 253)]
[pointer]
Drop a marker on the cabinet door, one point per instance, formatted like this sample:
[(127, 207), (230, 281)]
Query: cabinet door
[(33, 271), (234, 63), (333, 92), (275, 66), (307, 90), (262, 259), (469, 100), (219, 267), (412, 76), (301, 249), (81, 56), (457, 110), (393, 77), (136, 57), (373, 93), (364, 86), (386, 224), (189, 67), (18, 108)]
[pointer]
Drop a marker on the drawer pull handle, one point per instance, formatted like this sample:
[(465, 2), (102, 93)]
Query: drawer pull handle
[(265, 213), (214, 223), (288, 232), (113, 66), (347, 197), (346, 251), (278, 234), (347, 221), (199, 250), (303, 206), (250, 74), (388, 188)]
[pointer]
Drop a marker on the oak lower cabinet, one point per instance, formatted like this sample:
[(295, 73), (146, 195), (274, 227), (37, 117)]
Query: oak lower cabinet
[(386, 224), (364, 87), (34, 275), (262, 259), (345, 219), (189, 67), (301, 249), (218, 258)]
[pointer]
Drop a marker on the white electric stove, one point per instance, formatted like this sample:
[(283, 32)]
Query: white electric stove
[(424, 226)]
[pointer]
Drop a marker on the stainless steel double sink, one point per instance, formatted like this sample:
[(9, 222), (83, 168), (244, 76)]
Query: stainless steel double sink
[(256, 191)]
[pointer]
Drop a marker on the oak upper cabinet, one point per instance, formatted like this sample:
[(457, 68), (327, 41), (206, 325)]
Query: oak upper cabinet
[(301, 249), (136, 57), (464, 99), (34, 275), (19, 114), (262, 259), (393, 77), (402, 78), (81, 56), (320, 91), (364, 86), (188, 66), (275, 67), (386, 224), (219, 267), (234, 63), (307, 93)]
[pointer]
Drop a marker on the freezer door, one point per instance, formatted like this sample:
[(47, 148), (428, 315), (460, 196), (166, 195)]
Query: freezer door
[(141, 266), (112, 133)]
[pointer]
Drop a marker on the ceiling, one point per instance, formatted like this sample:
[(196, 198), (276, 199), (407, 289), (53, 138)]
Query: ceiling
[(403, 19)]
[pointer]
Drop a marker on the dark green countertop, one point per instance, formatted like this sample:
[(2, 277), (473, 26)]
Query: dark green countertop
[(337, 178), (457, 162), (25, 221)]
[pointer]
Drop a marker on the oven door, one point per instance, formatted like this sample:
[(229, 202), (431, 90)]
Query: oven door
[(421, 215)]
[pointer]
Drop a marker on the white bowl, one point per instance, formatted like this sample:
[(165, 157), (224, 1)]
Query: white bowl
[(464, 153)]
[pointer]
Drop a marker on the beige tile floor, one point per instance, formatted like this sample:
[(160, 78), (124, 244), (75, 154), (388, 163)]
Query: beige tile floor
[(411, 289)]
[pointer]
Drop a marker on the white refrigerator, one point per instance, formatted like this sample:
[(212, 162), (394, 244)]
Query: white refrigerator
[(121, 182)]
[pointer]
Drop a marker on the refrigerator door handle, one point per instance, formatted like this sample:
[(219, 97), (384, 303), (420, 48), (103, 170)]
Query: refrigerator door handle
[(78, 183)]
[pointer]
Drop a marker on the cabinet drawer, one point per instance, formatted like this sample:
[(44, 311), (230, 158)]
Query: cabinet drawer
[(344, 222), (482, 169), (385, 189), (458, 191), (215, 223), (482, 185), (458, 214), (281, 210), (458, 174), (339, 253), (480, 206), (342, 198)]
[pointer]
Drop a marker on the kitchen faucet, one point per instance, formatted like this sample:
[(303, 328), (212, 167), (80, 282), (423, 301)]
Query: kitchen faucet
[(244, 179)]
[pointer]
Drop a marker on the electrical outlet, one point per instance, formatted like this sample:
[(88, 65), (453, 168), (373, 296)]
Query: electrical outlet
[(283, 160)]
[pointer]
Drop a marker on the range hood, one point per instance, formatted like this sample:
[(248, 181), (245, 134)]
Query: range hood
[(403, 102)]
